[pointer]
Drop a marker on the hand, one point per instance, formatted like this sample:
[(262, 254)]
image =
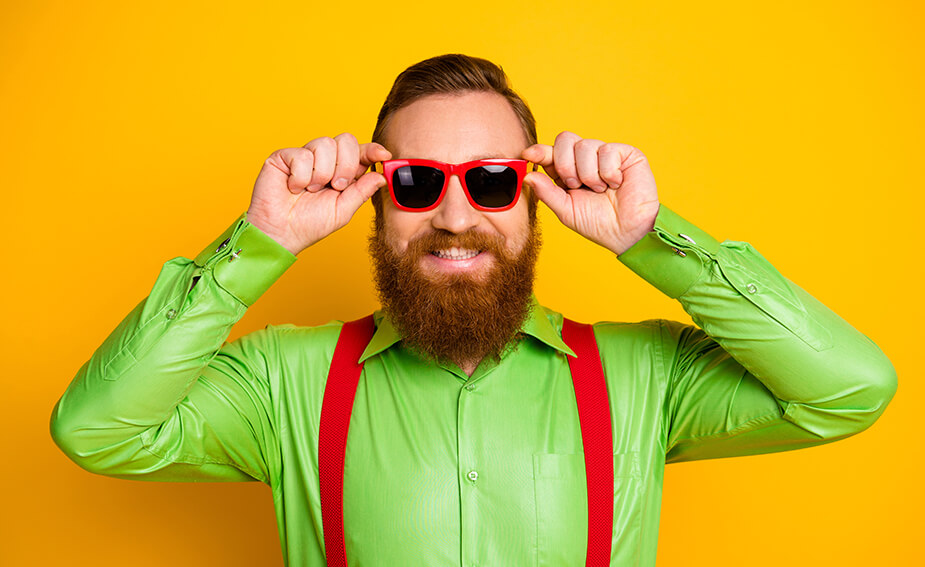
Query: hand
[(304, 194), (604, 192)]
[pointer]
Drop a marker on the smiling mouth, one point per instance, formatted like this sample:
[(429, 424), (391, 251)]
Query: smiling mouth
[(455, 253)]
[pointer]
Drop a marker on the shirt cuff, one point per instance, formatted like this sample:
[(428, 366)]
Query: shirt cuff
[(673, 255), (244, 261)]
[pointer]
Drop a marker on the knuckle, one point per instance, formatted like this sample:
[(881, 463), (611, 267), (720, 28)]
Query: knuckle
[(346, 137), (610, 174), (588, 144), (276, 157)]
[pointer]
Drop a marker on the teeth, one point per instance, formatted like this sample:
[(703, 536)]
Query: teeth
[(455, 253)]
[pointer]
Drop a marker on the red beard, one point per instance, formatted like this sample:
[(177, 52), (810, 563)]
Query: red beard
[(454, 317)]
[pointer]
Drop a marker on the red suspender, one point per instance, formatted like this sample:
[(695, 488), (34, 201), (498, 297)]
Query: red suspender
[(593, 414), (596, 436), (336, 407)]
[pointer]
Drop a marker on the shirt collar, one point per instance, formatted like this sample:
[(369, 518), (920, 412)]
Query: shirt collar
[(538, 325)]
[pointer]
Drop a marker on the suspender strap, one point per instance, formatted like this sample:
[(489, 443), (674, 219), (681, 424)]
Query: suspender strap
[(593, 415), (597, 437), (336, 407)]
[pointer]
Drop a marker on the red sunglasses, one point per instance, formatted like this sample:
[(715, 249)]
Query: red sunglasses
[(420, 184)]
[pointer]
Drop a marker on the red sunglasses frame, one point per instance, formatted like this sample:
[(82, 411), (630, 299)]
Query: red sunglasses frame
[(388, 167)]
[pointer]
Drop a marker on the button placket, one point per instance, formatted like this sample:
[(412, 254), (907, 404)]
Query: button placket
[(467, 435)]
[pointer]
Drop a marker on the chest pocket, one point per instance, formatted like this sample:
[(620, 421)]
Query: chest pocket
[(562, 508)]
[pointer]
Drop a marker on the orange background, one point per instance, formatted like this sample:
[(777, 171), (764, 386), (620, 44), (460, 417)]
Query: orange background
[(133, 134)]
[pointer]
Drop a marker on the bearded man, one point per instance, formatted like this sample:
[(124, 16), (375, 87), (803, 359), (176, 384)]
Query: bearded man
[(465, 446)]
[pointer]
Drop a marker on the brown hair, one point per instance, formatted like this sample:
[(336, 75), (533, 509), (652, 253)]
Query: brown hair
[(452, 73)]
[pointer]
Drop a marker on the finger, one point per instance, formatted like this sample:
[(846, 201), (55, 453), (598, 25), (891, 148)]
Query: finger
[(586, 163), (348, 158), (369, 154), (610, 158), (541, 154), (564, 158), (325, 150), (350, 199), (294, 166), (555, 197)]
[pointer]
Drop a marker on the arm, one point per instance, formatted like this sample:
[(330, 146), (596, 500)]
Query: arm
[(789, 374), (162, 398)]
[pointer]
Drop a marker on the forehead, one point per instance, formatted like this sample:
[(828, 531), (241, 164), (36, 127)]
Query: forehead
[(456, 128)]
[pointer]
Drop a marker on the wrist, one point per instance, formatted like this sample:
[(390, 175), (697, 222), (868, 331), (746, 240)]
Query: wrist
[(271, 231), (244, 261), (633, 237)]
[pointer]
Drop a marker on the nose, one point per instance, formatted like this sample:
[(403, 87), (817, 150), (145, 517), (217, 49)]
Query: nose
[(454, 213)]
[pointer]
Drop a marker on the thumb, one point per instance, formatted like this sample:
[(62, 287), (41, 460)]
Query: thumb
[(554, 196), (351, 198)]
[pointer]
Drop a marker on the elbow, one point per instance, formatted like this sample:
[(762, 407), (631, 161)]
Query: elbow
[(880, 383), (66, 435), (863, 399), (76, 441)]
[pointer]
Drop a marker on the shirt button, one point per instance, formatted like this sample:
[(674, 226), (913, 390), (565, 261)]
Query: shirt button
[(752, 288), (172, 314), (470, 387), (473, 476)]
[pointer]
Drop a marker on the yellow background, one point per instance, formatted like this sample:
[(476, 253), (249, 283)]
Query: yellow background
[(132, 133)]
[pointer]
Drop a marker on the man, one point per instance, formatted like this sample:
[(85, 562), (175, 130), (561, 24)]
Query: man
[(465, 447)]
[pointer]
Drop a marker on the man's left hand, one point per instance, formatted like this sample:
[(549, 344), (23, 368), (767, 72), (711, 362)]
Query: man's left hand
[(604, 192)]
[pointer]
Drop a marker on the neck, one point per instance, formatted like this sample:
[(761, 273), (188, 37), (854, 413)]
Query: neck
[(468, 366)]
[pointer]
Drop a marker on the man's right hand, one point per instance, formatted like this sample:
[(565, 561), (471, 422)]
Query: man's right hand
[(304, 194)]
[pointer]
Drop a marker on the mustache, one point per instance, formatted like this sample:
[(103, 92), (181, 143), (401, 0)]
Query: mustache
[(442, 239)]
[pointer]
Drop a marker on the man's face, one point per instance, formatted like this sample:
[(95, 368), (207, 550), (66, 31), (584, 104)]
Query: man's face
[(456, 281), (456, 129)]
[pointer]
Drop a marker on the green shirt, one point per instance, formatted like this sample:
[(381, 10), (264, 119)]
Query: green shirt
[(445, 469)]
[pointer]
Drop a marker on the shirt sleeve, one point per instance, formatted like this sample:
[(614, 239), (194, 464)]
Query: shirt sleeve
[(769, 369), (162, 398)]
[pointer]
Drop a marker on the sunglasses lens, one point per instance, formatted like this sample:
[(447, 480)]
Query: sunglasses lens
[(492, 186), (417, 186)]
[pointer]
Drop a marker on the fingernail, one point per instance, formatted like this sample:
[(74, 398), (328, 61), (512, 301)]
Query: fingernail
[(339, 183), (572, 182)]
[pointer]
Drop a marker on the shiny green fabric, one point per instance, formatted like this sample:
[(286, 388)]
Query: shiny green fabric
[(443, 469)]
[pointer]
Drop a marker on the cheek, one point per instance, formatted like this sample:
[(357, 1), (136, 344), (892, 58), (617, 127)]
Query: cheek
[(515, 228), (401, 227)]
